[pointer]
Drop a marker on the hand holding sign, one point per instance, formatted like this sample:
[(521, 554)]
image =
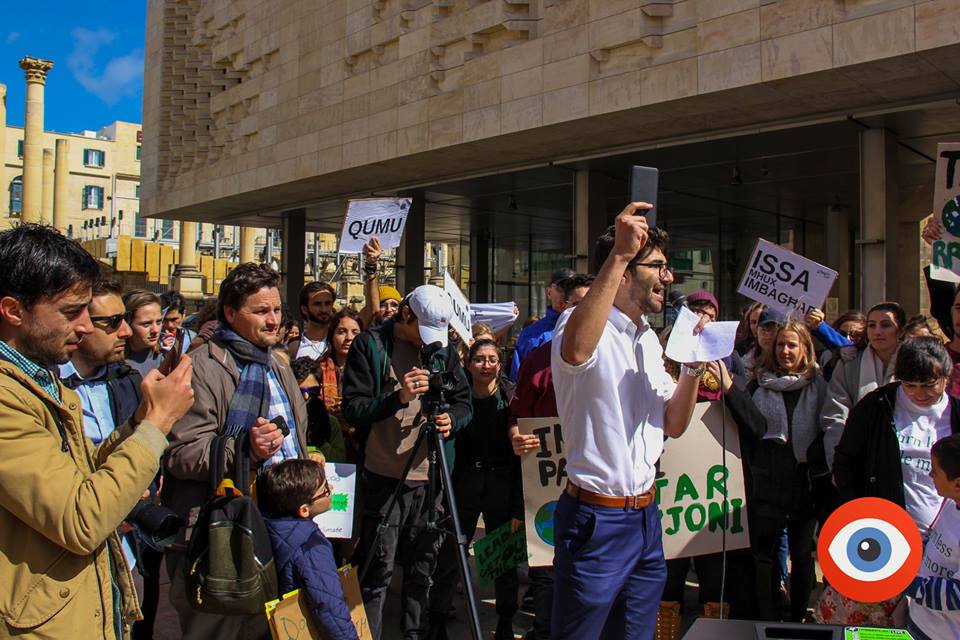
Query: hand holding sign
[(785, 280), (943, 231), (381, 217)]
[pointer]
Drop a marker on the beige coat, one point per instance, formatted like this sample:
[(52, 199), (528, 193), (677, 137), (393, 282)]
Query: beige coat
[(61, 501), (215, 377)]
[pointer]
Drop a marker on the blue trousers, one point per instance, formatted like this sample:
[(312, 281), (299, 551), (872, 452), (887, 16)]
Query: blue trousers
[(609, 569)]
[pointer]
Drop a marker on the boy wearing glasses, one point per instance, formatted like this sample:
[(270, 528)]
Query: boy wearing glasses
[(290, 494)]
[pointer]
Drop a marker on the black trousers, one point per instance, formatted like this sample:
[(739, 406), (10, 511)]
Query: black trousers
[(406, 541), (739, 590), (478, 491), (149, 567), (765, 538)]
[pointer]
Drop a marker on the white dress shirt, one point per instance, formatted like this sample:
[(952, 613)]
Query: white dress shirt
[(611, 407)]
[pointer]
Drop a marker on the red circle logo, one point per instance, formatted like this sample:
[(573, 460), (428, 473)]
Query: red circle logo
[(869, 550)]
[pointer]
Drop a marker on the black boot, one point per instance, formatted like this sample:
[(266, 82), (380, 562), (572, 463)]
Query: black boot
[(504, 629)]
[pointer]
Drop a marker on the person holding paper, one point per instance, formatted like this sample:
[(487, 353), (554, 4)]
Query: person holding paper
[(617, 403)]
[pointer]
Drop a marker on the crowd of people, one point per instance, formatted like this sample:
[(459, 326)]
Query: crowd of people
[(112, 403)]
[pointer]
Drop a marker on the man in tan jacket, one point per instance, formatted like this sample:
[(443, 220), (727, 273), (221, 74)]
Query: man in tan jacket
[(62, 571)]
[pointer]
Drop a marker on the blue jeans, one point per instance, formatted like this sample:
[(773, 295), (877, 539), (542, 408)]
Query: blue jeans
[(610, 571)]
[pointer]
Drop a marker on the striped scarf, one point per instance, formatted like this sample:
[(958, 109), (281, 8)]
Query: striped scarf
[(251, 400)]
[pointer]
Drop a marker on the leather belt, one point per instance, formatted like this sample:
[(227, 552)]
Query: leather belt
[(636, 503)]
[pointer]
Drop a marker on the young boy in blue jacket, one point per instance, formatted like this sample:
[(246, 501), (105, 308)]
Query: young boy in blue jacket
[(290, 494)]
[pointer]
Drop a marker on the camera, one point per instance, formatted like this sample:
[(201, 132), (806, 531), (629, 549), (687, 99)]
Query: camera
[(433, 358), (155, 525)]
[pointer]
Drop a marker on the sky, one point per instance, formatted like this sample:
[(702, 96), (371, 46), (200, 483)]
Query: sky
[(97, 50)]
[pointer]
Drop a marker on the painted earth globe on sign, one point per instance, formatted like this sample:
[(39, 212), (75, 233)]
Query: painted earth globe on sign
[(543, 522), (951, 216)]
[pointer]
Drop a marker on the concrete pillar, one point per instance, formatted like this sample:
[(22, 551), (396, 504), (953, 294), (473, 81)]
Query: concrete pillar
[(35, 71), (879, 223), (590, 216), (248, 236), (61, 185), (410, 262), (838, 253), (3, 136), (293, 257), (481, 269), (187, 279), (46, 200)]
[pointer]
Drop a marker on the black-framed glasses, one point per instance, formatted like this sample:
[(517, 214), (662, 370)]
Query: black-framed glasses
[(663, 268), (324, 492), (109, 323)]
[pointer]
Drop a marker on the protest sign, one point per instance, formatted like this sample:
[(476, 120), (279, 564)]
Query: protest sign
[(784, 280), (338, 521), (497, 552), (946, 206), (381, 217), (460, 321), (496, 315), (289, 617), (697, 495), (544, 477)]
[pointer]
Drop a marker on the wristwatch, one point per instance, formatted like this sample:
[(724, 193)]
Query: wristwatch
[(693, 373)]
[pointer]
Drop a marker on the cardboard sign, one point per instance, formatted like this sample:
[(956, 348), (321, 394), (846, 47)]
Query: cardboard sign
[(460, 321), (497, 552), (338, 521), (946, 205), (785, 280), (544, 477), (381, 217), (289, 617), (697, 496)]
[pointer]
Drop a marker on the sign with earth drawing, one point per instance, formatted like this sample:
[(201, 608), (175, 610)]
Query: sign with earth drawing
[(544, 477), (945, 264)]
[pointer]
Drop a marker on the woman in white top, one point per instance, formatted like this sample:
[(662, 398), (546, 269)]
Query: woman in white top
[(873, 368)]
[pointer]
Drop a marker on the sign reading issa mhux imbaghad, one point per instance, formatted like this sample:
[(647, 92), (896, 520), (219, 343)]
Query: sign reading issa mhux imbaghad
[(784, 280), (946, 205), (380, 217)]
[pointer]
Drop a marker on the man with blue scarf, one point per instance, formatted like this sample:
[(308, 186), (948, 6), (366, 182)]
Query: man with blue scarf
[(240, 388)]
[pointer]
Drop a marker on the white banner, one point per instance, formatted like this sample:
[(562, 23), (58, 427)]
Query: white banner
[(338, 521), (381, 217), (461, 308), (495, 314), (784, 280), (946, 207)]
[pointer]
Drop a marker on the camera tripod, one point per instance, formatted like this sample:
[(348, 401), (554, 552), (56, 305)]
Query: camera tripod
[(438, 470)]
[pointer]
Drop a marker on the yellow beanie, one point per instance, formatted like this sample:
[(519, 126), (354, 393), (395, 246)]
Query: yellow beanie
[(389, 293)]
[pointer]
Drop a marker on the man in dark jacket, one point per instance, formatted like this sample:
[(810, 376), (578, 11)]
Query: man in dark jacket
[(384, 382)]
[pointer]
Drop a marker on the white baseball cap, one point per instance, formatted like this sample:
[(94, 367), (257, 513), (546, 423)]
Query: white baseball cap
[(432, 307)]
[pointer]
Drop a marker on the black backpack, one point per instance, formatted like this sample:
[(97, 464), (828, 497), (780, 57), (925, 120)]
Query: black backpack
[(229, 568)]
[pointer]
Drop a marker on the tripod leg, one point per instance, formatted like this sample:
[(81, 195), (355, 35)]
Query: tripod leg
[(440, 455)]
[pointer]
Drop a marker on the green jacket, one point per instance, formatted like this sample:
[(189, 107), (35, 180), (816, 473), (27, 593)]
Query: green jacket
[(61, 501)]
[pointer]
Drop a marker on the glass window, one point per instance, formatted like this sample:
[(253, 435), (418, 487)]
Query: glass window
[(138, 192), (139, 225), (92, 197), (19, 148), (138, 152), (93, 157), (166, 230), (16, 195)]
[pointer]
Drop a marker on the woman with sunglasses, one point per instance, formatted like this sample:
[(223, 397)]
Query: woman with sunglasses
[(323, 430), (345, 326), (486, 480)]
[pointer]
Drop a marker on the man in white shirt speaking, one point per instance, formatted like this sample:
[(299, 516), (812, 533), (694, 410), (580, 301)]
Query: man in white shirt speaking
[(616, 403)]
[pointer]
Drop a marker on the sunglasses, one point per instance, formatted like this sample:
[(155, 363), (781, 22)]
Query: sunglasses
[(109, 323)]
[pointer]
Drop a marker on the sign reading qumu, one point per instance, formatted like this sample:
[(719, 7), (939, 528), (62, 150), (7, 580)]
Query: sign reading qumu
[(384, 218)]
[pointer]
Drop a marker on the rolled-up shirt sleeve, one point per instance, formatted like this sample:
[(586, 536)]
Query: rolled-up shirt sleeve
[(556, 359)]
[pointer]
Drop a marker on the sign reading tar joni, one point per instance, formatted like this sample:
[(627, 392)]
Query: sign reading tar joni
[(946, 205), (381, 217), (700, 492), (788, 282)]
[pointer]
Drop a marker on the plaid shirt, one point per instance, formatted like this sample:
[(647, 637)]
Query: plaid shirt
[(280, 406), (41, 375)]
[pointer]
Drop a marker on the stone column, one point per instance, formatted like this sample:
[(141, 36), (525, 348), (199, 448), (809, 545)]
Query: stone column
[(46, 200), (590, 218), (61, 185), (35, 71), (293, 257), (187, 279), (878, 217), (410, 263), (248, 237), (3, 132), (838, 252)]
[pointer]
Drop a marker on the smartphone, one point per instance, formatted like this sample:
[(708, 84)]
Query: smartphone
[(644, 182), (282, 425)]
